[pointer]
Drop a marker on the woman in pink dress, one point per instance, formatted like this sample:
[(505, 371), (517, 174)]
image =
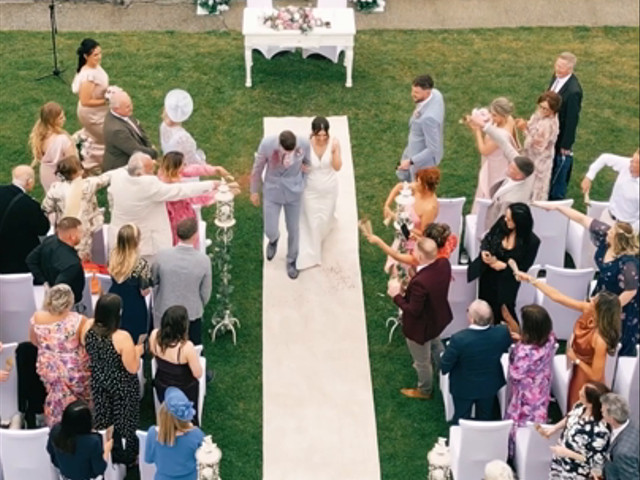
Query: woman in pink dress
[(541, 132), (493, 162), (63, 364), (172, 170), (50, 143), (530, 363)]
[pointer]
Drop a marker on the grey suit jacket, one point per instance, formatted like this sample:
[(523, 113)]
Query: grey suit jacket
[(623, 461), (281, 184), (121, 140), (181, 276), (425, 145), (501, 198)]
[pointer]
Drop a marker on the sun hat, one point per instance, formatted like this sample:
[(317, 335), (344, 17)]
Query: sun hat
[(178, 404), (179, 105)]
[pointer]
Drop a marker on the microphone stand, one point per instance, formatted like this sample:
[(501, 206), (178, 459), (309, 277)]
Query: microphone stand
[(54, 31)]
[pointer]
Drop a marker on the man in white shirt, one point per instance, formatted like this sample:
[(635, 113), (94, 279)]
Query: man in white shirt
[(624, 203), (624, 446)]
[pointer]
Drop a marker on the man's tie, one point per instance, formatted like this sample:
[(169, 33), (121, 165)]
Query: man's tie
[(554, 87)]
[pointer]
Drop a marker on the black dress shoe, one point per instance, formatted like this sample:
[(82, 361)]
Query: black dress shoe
[(272, 247), (292, 271)]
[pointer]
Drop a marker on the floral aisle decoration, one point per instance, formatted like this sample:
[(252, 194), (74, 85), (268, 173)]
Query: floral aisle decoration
[(213, 7), (294, 18), (369, 5)]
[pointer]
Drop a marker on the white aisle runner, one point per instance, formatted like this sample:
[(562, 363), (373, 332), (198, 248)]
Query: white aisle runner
[(318, 414)]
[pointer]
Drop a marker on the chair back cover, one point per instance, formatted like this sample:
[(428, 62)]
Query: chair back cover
[(24, 455), (532, 454), (9, 388), (527, 292), (461, 294), (147, 470), (551, 227), (450, 212), (17, 306), (479, 443)]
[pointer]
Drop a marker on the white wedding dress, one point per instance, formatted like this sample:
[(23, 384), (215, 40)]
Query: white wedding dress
[(317, 213)]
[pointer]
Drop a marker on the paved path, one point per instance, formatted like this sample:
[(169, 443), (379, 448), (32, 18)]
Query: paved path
[(400, 14)]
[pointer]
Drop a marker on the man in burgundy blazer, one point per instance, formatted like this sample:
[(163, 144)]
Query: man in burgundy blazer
[(425, 313)]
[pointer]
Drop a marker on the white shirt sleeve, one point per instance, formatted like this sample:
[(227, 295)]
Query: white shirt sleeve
[(616, 162)]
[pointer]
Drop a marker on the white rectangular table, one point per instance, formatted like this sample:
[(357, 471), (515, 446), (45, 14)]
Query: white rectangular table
[(341, 34)]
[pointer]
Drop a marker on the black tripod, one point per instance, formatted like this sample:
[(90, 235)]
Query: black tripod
[(54, 31)]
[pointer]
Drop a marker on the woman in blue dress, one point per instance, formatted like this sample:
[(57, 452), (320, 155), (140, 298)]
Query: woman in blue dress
[(131, 281), (618, 263)]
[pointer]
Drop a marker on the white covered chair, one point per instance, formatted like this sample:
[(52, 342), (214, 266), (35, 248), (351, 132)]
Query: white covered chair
[(105, 282), (17, 306), (627, 383), (202, 384), (562, 371), (332, 53), (461, 294), (270, 51), (116, 471), (147, 470), (532, 452), (447, 399), (574, 284), (579, 244), (99, 247), (611, 367), (502, 393), (24, 455), (551, 227), (474, 228), (450, 212), (527, 293), (9, 388), (87, 298), (473, 444)]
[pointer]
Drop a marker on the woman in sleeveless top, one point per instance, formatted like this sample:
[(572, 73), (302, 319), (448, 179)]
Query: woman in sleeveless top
[(595, 334), (114, 384), (50, 143), (90, 84), (178, 362), (62, 362), (317, 214)]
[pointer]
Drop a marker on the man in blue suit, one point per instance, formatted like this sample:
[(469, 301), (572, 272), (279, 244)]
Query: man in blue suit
[(624, 445), (426, 130), (472, 360), (282, 159)]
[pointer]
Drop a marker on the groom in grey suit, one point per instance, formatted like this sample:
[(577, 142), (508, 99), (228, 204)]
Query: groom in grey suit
[(283, 160), (425, 146)]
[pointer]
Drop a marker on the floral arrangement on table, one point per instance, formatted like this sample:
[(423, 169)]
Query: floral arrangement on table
[(294, 18), (214, 7), (366, 5)]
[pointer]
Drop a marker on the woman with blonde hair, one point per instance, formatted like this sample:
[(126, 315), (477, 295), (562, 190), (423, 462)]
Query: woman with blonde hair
[(172, 444), (75, 196), (49, 142), (617, 250), (131, 280), (493, 161), (63, 364)]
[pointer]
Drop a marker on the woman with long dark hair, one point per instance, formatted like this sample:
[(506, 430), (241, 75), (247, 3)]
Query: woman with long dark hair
[(90, 84), (115, 389), (510, 238), (76, 450)]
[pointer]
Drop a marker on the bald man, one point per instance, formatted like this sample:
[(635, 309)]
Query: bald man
[(22, 221), (123, 134)]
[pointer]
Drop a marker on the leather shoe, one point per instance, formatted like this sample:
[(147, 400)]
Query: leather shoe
[(415, 393), (272, 247), (292, 271)]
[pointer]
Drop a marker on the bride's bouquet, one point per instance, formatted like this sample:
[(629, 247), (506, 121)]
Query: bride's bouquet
[(478, 116)]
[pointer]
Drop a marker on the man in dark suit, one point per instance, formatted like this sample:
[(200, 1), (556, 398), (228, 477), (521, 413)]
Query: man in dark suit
[(56, 261), (566, 84), (22, 221), (624, 447), (123, 134), (425, 313), (472, 360)]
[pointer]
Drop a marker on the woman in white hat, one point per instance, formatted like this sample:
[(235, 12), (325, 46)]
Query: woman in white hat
[(178, 106)]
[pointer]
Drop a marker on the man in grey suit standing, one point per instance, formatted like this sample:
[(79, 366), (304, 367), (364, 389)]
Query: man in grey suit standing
[(624, 446), (283, 160), (425, 146), (182, 276)]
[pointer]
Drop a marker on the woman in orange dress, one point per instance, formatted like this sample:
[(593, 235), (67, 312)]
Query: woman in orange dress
[(595, 333)]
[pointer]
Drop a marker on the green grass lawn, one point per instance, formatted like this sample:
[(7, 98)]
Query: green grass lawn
[(470, 67)]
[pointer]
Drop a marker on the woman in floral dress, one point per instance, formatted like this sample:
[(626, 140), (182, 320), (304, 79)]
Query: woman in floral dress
[(530, 362), (585, 437), (63, 364)]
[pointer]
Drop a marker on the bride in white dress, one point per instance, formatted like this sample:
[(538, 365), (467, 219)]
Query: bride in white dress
[(317, 215)]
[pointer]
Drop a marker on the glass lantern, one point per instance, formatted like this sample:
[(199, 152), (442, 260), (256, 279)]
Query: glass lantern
[(404, 200), (208, 457), (224, 206), (439, 461)]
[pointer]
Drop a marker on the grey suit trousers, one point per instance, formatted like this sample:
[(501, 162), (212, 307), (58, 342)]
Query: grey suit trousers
[(271, 215)]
